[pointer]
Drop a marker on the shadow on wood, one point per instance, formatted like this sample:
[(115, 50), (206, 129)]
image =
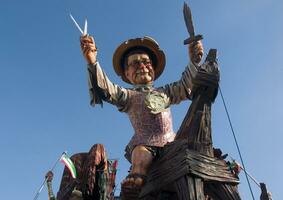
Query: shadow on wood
[(187, 168)]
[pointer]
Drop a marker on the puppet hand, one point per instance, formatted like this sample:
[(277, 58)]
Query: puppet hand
[(88, 48), (196, 51)]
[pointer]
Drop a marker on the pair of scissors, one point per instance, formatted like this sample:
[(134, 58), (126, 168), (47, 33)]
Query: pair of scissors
[(77, 25)]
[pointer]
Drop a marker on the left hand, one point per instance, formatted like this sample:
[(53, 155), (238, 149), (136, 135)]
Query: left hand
[(88, 48), (196, 52)]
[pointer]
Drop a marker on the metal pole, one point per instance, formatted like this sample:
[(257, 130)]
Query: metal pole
[(42, 185)]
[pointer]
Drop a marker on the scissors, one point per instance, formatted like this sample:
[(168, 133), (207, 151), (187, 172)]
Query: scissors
[(77, 25)]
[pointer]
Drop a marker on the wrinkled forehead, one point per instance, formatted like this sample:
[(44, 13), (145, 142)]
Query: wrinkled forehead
[(138, 56)]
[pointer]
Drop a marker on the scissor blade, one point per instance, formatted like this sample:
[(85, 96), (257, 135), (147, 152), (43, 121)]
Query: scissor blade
[(75, 22), (85, 28), (188, 19)]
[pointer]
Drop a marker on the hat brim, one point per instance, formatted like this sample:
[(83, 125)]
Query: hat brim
[(146, 44)]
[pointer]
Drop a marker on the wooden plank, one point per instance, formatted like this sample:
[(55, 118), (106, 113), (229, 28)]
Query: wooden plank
[(199, 189), (221, 191), (177, 161), (189, 188)]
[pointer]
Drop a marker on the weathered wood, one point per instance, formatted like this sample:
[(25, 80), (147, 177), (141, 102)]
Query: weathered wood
[(184, 188), (189, 188), (265, 195), (188, 163), (178, 161), (89, 167), (130, 193), (199, 189), (196, 126), (67, 182), (221, 191)]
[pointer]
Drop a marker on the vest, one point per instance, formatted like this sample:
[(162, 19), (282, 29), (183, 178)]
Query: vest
[(150, 129)]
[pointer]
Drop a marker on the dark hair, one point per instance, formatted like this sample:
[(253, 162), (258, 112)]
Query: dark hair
[(138, 49)]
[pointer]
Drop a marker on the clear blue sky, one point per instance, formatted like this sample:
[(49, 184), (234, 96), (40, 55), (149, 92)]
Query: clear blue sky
[(44, 104)]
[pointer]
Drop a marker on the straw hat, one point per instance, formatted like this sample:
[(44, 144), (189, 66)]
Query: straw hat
[(146, 44)]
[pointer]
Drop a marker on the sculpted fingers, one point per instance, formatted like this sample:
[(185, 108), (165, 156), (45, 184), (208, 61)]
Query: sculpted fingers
[(91, 39), (196, 51), (92, 47), (83, 39), (88, 48), (89, 53), (85, 50), (86, 40), (198, 48)]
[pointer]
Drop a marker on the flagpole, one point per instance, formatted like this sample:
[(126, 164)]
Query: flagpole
[(42, 185)]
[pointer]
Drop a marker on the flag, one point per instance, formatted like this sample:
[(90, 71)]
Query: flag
[(69, 164), (113, 163)]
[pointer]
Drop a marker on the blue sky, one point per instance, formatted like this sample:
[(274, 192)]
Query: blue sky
[(44, 104)]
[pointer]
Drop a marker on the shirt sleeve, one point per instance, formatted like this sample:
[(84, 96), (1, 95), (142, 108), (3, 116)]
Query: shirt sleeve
[(182, 89), (102, 89)]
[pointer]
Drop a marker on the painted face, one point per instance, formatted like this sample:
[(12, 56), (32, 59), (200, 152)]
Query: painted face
[(139, 69)]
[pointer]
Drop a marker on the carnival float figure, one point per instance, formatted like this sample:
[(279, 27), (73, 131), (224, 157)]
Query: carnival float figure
[(139, 62), (165, 165)]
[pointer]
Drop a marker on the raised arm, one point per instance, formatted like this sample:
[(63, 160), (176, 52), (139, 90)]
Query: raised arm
[(100, 87), (184, 88)]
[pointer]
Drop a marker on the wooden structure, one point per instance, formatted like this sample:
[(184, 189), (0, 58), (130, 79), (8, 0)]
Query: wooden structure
[(187, 168), (92, 174)]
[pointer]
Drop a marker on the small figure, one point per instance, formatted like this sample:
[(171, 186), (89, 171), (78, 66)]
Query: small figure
[(235, 167), (49, 177), (140, 62)]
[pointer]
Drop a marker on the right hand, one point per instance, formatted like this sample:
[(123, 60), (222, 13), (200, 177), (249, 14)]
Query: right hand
[(88, 48), (196, 51)]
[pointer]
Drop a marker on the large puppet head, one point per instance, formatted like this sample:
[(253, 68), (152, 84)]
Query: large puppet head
[(139, 60)]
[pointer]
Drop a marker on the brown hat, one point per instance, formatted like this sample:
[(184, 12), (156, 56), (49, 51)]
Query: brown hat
[(146, 44)]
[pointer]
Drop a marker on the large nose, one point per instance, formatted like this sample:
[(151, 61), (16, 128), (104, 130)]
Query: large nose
[(142, 65)]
